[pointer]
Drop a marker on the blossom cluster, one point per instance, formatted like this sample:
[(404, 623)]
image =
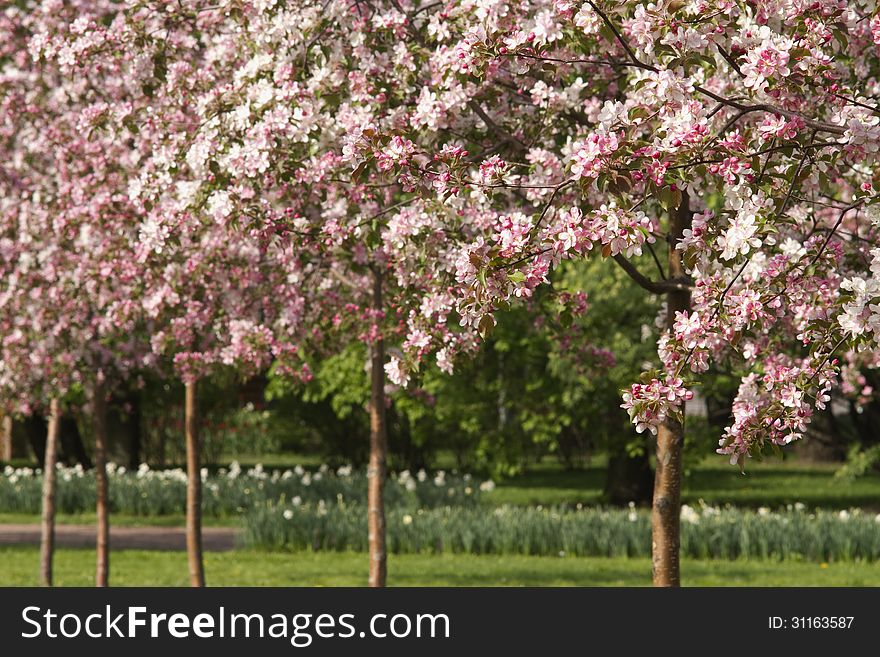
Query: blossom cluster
[(775, 408), (650, 404)]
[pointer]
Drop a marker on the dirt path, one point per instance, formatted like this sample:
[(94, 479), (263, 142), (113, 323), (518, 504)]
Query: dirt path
[(216, 539)]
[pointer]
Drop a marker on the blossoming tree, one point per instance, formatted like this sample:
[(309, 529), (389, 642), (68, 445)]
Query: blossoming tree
[(742, 134), (68, 284), (216, 305), (226, 150), (90, 295), (436, 160)]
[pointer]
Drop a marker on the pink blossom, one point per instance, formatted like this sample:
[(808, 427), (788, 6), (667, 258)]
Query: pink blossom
[(589, 157)]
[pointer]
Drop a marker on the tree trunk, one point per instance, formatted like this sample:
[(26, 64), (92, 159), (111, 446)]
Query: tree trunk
[(193, 490), (6, 438), (376, 471), (666, 511), (135, 451), (102, 508), (70, 448), (73, 450), (47, 534), (35, 431), (629, 478)]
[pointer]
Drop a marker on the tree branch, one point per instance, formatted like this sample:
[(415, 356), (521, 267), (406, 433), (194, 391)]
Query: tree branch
[(494, 128), (655, 287)]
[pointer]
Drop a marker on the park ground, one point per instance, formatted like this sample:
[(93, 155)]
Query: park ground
[(763, 485), (74, 567)]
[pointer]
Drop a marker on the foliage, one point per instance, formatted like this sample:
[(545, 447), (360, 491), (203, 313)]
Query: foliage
[(532, 390), (860, 461), (529, 392), (233, 419)]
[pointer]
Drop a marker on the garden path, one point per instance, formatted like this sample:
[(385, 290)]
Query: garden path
[(216, 539)]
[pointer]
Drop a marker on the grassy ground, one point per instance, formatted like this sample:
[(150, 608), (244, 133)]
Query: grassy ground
[(772, 483), (245, 568), (764, 484)]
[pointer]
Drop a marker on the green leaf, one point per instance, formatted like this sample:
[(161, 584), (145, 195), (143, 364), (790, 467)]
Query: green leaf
[(485, 326), (638, 112), (160, 65), (669, 198)]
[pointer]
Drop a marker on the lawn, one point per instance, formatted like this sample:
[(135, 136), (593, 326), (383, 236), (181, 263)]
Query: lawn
[(18, 567), (771, 484)]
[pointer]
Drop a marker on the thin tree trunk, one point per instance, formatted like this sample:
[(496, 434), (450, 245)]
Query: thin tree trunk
[(102, 539), (630, 478), (6, 438), (160, 447), (376, 471), (666, 511), (47, 537), (193, 490), (35, 431), (71, 446), (135, 452)]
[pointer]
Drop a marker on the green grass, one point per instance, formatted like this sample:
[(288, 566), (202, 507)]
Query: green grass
[(279, 460), (248, 568), (763, 484), (550, 485)]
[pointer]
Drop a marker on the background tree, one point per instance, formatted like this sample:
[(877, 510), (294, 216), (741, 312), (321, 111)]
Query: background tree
[(69, 278), (373, 256)]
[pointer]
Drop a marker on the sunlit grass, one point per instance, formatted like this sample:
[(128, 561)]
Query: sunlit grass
[(246, 568), (768, 484)]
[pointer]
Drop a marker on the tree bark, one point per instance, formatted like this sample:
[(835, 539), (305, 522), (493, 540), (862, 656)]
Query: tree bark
[(47, 534), (102, 505), (135, 451), (193, 490), (70, 449), (6, 438), (73, 450), (630, 478), (35, 431), (376, 471), (666, 510)]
